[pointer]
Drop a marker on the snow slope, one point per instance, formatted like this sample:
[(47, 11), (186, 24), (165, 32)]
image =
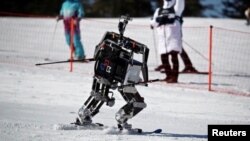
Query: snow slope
[(34, 99)]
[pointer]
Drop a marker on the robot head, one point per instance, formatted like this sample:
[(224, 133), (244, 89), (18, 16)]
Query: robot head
[(169, 3)]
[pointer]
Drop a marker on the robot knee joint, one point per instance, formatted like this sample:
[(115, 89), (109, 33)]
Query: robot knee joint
[(141, 105)]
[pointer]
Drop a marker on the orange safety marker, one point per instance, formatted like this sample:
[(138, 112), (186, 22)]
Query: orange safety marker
[(210, 58), (72, 32)]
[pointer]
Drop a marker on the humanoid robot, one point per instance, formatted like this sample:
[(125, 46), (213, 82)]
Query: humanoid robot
[(115, 68)]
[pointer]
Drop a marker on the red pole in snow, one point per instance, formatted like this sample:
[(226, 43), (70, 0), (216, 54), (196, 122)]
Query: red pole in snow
[(210, 58), (72, 32)]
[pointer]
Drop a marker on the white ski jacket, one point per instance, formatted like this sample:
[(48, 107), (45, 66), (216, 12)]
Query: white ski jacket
[(169, 35)]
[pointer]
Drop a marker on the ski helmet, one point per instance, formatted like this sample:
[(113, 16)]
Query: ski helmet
[(169, 3)]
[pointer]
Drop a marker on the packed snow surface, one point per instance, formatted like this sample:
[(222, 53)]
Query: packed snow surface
[(34, 99)]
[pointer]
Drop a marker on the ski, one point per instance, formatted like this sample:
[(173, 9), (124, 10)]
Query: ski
[(157, 131), (199, 72), (74, 126), (107, 129), (67, 61), (140, 131), (132, 131)]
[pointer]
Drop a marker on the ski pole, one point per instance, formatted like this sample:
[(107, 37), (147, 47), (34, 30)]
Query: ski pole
[(156, 51), (142, 82), (195, 50), (52, 42), (66, 61)]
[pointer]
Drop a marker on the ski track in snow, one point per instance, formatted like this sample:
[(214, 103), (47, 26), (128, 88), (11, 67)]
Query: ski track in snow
[(34, 99)]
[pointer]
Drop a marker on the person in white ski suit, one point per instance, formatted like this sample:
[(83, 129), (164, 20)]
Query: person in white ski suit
[(167, 22)]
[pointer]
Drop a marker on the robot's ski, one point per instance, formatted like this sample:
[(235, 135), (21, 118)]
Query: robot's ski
[(100, 126), (199, 72), (73, 126), (134, 131), (141, 132)]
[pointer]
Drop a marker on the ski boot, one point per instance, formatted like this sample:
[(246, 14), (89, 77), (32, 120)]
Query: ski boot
[(122, 118), (189, 69), (84, 117)]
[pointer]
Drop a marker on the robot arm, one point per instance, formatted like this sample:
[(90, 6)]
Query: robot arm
[(144, 67)]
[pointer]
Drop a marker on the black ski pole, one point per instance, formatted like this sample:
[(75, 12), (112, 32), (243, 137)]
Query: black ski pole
[(195, 50), (142, 82), (66, 61)]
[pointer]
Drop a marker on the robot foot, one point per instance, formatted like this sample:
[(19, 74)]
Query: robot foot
[(124, 126), (122, 119), (86, 121), (84, 117)]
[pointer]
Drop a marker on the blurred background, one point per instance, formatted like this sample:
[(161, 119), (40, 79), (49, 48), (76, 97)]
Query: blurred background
[(136, 8)]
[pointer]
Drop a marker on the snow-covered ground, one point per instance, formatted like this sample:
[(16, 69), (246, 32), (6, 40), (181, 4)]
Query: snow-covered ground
[(33, 99)]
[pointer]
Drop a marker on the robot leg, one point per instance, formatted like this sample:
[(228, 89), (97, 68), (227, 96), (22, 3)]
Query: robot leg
[(99, 95), (135, 103)]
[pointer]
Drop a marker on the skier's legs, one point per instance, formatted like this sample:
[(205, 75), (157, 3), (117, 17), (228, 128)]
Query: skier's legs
[(67, 37), (79, 51), (160, 67), (166, 64), (186, 60), (161, 47), (78, 47), (135, 103), (175, 70), (188, 66), (68, 40)]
